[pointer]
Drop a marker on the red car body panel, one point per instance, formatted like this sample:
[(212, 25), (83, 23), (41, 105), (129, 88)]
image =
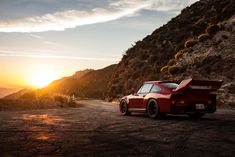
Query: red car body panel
[(188, 96), (202, 85)]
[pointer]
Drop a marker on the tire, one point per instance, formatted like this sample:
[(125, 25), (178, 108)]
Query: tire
[(153, 109), (195, 115), (124, 108)]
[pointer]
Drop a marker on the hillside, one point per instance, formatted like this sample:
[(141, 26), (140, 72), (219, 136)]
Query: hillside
[(6, 91), (81, 73), (83, 84), (69, 82), (17, 94), (213, 58), (144, 61)]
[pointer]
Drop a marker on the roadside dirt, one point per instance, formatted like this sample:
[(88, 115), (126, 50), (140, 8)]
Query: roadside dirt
[(96, 128)]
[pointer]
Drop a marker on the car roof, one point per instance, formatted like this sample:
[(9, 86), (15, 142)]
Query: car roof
[(159, 82)]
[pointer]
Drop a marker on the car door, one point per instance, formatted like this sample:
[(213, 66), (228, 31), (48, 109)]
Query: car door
[(137, 100)]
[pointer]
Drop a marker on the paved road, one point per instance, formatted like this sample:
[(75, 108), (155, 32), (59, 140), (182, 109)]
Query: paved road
[(96, 128)]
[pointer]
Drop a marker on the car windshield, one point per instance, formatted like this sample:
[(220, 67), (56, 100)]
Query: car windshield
[(170, 85)]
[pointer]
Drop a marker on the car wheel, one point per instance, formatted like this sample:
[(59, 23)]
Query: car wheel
[(153, 109), (124, 108), (195, 115)]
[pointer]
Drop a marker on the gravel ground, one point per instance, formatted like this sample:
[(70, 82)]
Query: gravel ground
[(95, 128)]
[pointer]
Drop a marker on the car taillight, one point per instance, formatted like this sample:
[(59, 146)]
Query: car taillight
[(178, 102), (182, 101)]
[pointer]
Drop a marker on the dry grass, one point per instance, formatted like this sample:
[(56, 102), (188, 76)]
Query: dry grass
[(190, 43), (203, 37)]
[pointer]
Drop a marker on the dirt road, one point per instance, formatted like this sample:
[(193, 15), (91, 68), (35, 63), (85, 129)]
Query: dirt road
[(96, 128)]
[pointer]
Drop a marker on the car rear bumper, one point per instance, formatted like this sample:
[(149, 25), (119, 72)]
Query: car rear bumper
[(179, 108)]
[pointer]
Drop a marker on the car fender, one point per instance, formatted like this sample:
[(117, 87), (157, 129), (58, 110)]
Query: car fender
[(163, 101), (125, 98)]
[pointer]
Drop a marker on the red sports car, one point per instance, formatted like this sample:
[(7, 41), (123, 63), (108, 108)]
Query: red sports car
[(156, 98)]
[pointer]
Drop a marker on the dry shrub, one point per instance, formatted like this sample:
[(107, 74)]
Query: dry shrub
[(164, 69), (190, 43), (173, 69), (179, 55), (171, 62), (60, 98), (203, 37)]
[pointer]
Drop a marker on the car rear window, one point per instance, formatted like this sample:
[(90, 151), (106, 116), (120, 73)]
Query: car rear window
[(155, 88), (145, 88), (170, 85)]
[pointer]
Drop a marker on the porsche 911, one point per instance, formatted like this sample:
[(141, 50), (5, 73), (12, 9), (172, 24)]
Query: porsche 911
[(158, 98)]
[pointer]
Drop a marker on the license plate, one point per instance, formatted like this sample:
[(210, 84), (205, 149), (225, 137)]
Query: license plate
[(200, 106)]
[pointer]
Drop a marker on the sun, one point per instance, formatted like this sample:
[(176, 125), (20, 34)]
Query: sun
[(41, 77)]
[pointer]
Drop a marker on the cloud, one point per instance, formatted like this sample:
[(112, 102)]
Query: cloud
[(37, 55), (170, 5), (60, 21), (35, 36), (50, 43)]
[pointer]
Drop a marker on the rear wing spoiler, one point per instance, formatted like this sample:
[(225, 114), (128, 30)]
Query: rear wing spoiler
[(203, 85)]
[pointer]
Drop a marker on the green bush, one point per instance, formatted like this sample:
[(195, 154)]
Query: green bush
[(164, 69), (212, 29), (179, 55), (203, 37), (190, 43), (173, 69), (171, 62)]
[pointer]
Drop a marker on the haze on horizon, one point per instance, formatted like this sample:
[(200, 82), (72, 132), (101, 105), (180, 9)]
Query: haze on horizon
[(55, 38)]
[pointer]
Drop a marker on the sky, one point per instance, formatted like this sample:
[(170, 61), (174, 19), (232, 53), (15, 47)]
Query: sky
[(56, 38)]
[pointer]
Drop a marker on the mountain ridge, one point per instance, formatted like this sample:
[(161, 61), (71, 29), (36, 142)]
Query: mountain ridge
[(89, 84), (7, 91)]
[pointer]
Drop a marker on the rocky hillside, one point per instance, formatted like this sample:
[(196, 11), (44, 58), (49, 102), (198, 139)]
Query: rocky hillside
[(145, 60), (212, 58), (81, 73)]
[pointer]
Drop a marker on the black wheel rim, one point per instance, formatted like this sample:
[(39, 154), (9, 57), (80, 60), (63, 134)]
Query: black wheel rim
[(123, 108), (152, 108)]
